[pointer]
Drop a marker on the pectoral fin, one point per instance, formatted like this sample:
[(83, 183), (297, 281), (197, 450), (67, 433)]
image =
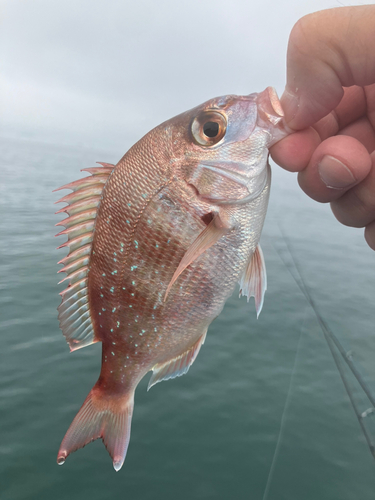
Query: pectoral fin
[(253, 282), (208, 237)]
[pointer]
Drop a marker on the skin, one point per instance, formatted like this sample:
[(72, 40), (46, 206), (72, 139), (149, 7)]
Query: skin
[(329, 101)]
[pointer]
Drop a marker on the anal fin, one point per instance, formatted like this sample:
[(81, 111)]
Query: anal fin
[(177, 366), (253, 282)]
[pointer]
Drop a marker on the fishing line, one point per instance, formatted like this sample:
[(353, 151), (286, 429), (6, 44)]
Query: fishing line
[(283, 416), (332, 342)]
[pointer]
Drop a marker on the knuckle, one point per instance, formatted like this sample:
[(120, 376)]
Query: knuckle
[(356, 208)]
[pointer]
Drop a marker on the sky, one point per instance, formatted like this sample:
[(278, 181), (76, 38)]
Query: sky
[(101, 74)]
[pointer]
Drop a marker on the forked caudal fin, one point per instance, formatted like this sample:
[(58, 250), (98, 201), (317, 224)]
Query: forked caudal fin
[(101, 416)]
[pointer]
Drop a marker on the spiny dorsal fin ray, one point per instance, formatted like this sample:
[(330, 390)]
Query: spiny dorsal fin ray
[(78, 274), (74, 313), (78, 218), (177, 366), (85, 182), (80, 194), (208, 237), (77, 242), (253, 282), (77, 254), (81, 205), (76, 264), (78, 229)]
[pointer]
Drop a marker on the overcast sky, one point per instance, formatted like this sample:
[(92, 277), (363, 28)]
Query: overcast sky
[(103, 73)]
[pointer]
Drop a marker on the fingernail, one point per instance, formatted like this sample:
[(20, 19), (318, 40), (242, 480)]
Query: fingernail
[(290, 104), (334, 173)]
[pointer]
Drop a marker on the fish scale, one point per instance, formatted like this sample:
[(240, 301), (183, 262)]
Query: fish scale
[(157, 244)]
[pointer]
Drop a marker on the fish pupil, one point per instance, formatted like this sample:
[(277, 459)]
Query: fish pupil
[(211, 129)]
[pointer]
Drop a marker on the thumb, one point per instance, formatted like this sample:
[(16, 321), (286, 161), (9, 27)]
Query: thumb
[(327, 50)]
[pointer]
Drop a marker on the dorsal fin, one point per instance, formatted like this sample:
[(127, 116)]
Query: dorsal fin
[(83, 202), (177, 366)]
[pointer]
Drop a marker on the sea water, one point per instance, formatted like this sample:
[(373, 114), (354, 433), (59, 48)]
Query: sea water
[(262, 413)]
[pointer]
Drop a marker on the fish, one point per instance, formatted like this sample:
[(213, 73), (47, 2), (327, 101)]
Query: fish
[(157, 244)]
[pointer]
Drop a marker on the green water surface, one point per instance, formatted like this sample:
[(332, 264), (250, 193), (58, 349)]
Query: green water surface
[(257, 385)]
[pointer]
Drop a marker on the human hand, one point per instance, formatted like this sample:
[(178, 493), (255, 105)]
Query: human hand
[(329, 100)]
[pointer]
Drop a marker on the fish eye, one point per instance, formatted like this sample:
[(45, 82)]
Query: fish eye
[(211, 129), (208, 128)]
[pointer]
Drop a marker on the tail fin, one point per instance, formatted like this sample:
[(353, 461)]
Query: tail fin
[(101, 416)]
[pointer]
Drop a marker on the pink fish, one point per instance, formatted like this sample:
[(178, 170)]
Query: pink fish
[(156, 245)]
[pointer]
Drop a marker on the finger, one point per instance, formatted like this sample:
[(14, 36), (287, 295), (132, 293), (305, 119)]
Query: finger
[(294, 152), (363, 131), (370, 235), (338, 164), (370, 102), (356, 208), (327, 51), (351, 108)]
